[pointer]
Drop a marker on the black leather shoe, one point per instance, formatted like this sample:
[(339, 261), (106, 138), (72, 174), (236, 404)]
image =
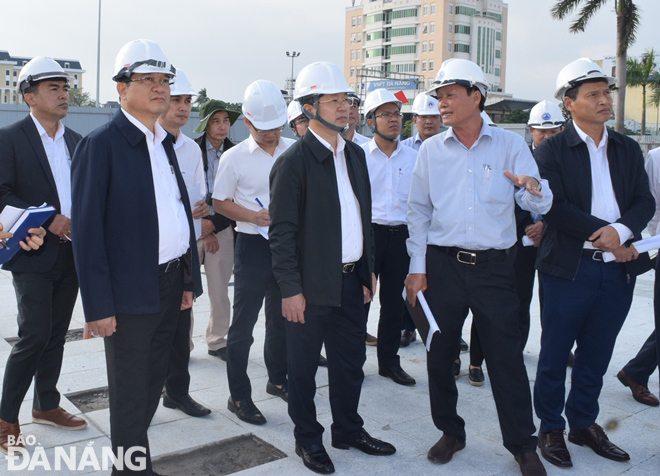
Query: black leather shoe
[(367, 444), (407, 337), (530, 464), (316, 458), (444, 449), (476, 376), (464, 345), (323, 362), (272, 389), (595, 438), (247, 411), (553, 448), (222, 353), (398, 375), (186, 404)]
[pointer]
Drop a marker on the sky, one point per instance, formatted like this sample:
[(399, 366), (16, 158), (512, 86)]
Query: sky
[(224, 45)]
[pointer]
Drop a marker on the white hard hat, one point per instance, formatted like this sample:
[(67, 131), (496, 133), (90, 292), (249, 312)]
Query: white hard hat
[(425, 105), (545, 115), (141, 56), (264, 105), (181, 86), (486, 118), (293, 111), (459, 71), (38, 69), (320, 78), (377, 98), (577, 71)]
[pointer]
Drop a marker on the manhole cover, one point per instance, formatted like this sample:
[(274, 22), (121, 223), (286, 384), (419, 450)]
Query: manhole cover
[(220, 458), (71, 335), (90, 400)]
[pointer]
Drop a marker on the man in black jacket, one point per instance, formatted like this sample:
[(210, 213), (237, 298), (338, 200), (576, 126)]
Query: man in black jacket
[(601, 202), (35, 168), (322, 247), (216, 247)]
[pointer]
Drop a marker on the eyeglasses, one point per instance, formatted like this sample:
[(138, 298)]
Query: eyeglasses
[(337, 103), (277, 129), (389, 115), (151, 81), (301, 120)]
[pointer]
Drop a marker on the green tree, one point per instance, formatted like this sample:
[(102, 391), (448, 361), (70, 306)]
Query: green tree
[(643, 73), (201, 97), (79, 98), (407, 129), (627, 21), (517, 116)]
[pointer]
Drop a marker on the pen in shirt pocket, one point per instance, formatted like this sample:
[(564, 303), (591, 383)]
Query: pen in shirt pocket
[(487, 170)]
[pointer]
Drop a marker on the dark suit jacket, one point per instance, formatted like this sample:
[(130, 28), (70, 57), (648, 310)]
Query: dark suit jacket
[(220, 222), (563, 160), (116, 222), (305, 227), (26, 180)]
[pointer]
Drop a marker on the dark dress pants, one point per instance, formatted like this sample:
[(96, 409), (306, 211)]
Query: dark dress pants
[(488, 290), (178, 377), (640, 368), (391, 268), (45, 304), (254, 281), (137, 356), (343, 329), (589, 311)]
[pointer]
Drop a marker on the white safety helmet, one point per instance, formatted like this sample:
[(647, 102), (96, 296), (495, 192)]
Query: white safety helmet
[(576, 72), (459, 71), (425, 105), (181, 86), (38, 69), (294, 111), (264, 105), (545, 115), (321, 77), (486, 118), (377, 98), (141, 56)]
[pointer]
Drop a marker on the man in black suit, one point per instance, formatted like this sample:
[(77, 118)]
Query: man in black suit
[(601, 203), (323, 256), (35, 164), (135, 246)]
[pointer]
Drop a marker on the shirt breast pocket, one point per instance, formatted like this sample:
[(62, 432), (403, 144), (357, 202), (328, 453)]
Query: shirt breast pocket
[(403, 185), (497, 188)]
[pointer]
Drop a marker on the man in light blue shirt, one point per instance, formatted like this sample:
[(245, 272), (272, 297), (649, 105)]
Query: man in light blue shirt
[(426, 117), (461, 222)]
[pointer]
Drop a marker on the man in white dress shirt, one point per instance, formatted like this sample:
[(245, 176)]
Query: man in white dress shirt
[(426, 117)]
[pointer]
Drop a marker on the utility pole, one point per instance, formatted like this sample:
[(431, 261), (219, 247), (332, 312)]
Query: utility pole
[(293, 55)]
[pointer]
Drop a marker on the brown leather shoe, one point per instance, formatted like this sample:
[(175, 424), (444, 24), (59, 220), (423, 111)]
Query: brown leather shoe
[(639, 392), (530, 464), (9, 430), (59, 418), (444, 449)]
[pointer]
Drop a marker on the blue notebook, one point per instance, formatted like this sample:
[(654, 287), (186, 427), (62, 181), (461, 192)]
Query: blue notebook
[(18, 222)]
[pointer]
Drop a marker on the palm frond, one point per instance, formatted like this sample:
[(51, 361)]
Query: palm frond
[(629, 17), (588, 10), (563, 7)]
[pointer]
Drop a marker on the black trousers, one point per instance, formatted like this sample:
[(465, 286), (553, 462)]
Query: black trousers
[(343, 330), (137, 357), (45, 304), (254, 281), (178, 376), (391, 268), (488, 290)]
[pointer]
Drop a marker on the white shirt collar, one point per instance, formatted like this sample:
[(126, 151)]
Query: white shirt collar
[(341, 143), (253, 146), (587, 139), (486, 130), (156, 138), (42, 132)]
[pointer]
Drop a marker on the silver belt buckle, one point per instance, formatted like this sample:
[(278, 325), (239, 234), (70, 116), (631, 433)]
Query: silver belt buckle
[(347, 267), (174, 262), (597, 256), (466, 257)]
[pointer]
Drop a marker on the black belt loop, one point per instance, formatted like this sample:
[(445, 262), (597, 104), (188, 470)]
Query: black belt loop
[(171, 265)]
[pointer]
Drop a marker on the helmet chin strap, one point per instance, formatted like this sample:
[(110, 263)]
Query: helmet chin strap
[(317, 117), (375, 130)]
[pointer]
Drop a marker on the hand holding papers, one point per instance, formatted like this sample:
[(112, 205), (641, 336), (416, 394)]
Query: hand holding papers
[(423, 318), (647, 244), (18, 221)]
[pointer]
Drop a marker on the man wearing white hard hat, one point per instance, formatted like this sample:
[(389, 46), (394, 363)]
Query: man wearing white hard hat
[(189, 156), (350, 133), (241, 193), (322, 245), (390, 165), (602, 203), (134, 246), (297, 121), (35, 168), (426, 117), (461, 220)]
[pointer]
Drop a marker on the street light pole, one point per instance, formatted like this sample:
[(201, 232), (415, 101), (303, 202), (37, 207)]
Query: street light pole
[(98, 59), (293, 55)]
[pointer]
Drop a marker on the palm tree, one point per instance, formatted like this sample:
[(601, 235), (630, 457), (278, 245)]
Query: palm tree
[(201, 97), (643, 73), (627, 21)]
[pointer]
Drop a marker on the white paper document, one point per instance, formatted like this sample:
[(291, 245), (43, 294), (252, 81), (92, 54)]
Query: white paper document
[(647, 244), (433, 325)]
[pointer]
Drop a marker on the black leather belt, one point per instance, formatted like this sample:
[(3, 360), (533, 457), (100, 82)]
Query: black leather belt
[(348, 267), (390, 228), (596, 255), (471, 257), (170, 266)]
